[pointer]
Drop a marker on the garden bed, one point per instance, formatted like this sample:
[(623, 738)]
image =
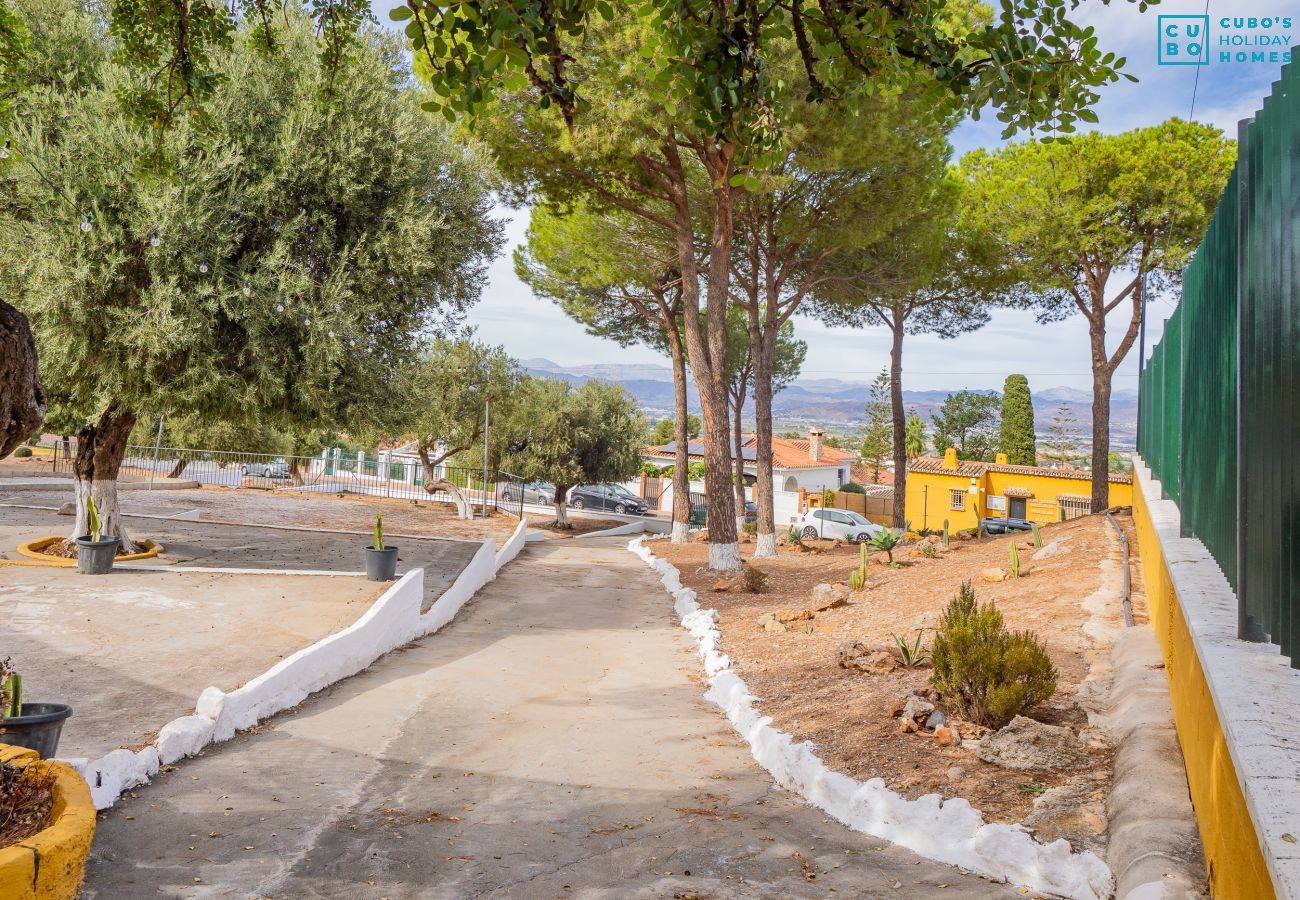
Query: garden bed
[(847, 713)]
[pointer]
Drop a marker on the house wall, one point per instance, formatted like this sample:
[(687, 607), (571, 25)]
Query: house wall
[(928, 497), (812, 479)]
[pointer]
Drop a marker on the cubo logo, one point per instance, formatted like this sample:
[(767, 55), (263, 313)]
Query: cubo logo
[(1184, 40)]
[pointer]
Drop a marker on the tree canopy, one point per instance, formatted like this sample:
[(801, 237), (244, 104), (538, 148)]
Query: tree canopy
[(967, 420), (1016, 429)]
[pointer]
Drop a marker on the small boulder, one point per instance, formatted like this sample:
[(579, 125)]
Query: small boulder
[(873, 659), (946, 736), (795, 615), (829, 596), (908, 726), (955, 773), (1055, 548), (935, 720), (993, 575), (1075, 812), (770, 623), (68, 509), (1027, 745), (917, 708)]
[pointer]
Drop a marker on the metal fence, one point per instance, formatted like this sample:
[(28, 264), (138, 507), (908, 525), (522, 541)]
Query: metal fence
[(332, 472), (1220, 399)]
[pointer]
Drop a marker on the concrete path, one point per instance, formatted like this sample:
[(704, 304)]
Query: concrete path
[(551, 742)]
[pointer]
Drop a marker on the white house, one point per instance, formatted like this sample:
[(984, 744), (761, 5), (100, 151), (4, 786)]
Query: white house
[(808, 464)]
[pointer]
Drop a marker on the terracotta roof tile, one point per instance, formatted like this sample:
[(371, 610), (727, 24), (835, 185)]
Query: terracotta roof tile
[(786, 453), (971, 468)]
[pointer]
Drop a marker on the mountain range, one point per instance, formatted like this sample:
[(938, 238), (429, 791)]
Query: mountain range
[(834, 404)]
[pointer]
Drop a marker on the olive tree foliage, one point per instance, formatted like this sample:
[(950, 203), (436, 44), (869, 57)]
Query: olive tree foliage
[(571, 436), (1069, 216), (450, 391), (616, 274), (280, 271)]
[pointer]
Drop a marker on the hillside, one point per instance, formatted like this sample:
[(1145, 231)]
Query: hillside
[(833, 403)]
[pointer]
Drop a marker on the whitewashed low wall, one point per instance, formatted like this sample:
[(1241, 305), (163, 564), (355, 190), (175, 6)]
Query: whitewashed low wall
[(785, 508), (948, 831), (391, 621)]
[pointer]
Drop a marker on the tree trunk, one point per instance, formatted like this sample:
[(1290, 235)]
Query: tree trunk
[(562, 506), (433, 484), (100, 448), (763, 342), (899, 417), (22, 398), (682, 438), (295, 472), (177, 469), (738, 439), (1101, 382)]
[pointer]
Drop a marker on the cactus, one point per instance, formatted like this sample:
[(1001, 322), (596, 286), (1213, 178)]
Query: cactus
[(13, 690), (1038, 534), (858, 577), (1015, 559), (945, 534), (92, 513), (379, 531)]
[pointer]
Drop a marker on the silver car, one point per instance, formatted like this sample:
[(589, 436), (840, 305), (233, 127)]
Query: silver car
[(539, 492), (837, 523), (271, 468)]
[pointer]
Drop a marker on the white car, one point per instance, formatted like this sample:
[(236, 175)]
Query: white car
[(837, 523)]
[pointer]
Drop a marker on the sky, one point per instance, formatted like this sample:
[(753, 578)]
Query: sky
[(1220, 93)]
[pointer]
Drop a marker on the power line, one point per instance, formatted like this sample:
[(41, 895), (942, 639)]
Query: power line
[(913, 372)]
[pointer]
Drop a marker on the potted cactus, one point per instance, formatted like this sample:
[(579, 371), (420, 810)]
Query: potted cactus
[(95, 552), (36, 726), (381, 558)]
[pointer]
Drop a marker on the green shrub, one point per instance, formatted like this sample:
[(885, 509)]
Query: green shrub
[(886, 540), (23, 452), (852, 487), (928, 550), (828, 498), (753, 580), (986, 673), (750, 528), (793, 536)]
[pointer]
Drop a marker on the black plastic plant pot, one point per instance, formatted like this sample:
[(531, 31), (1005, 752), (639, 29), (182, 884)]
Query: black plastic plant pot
[(38, 728), (381, 565), (95, 557)]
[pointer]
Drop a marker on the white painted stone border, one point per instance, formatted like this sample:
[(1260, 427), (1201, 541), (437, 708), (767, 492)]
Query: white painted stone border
[(391, 621), (948, 831), (626, 528), (1256, 693)]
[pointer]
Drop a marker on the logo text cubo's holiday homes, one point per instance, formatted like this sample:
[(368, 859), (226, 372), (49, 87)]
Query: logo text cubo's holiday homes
[(1192, 40)]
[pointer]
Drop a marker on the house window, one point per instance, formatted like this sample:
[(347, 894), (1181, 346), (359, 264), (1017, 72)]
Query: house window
[(956, 498)]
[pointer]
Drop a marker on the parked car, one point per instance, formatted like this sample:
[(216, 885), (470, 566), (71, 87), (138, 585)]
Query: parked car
[(275, 468), (540, 492), (751, 511), (1004, 526), (613, 497), (837, 523)]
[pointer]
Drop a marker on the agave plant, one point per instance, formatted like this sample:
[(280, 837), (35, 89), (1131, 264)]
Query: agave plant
[(886, 540), (913, 654), (379, 531)]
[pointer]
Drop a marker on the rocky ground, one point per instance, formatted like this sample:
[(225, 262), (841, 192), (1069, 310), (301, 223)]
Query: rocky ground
[(824, 663)]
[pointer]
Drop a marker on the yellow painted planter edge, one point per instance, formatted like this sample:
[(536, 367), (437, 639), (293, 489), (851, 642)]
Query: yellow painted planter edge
[(32, 550), (50, 865)]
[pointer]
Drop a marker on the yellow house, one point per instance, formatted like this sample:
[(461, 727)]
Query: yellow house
[(963, 491)]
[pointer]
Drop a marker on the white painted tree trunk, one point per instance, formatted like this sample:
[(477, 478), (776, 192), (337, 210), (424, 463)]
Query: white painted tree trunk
[(104, 493), (561, 512), (681, 532), (725, 557), (765, 547)]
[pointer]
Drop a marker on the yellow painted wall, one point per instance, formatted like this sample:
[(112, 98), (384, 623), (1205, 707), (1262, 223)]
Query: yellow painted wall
[(1232, 853), (929, 509)]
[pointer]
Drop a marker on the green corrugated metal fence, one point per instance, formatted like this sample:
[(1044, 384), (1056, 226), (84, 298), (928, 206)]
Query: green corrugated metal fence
[(1219, 421)]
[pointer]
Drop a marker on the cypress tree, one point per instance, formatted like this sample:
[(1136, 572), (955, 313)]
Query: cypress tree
[(1016, 436)]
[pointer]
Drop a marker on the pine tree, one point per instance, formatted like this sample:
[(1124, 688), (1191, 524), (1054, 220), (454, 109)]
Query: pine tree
[(1016, 433), (878, 437), (1062, 444)]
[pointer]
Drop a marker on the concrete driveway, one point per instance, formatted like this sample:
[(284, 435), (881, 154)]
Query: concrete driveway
[(551, 742)]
